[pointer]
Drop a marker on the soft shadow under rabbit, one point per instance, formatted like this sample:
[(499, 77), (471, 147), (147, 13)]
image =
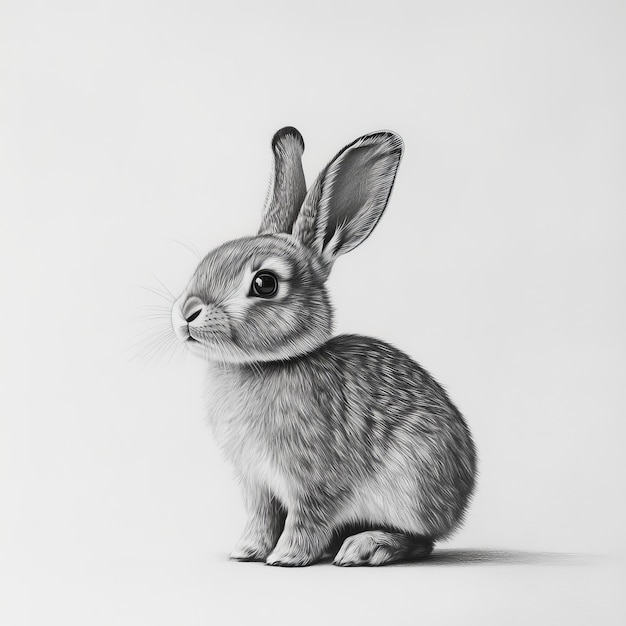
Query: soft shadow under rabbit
[(326, 433)]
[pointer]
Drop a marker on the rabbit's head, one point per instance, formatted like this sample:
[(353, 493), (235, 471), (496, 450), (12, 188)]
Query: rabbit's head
[(264, 298)]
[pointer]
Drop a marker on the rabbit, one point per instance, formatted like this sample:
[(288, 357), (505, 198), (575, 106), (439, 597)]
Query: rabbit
[(343, 445)]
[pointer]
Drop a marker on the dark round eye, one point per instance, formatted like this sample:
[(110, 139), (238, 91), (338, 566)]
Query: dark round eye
[(264, 284)]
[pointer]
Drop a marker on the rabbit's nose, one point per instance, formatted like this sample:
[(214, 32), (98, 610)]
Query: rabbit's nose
[(192, 309)]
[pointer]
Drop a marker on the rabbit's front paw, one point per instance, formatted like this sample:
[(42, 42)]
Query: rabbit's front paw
[(247, 552), (290, 558)]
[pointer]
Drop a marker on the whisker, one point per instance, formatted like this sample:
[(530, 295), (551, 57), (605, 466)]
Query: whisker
[(154, 307), (147, 338), (155, 316), (154, 328), (156, 339), (144, 346), (155, 348), (157, 293), (176, 351), (165, 287), (163, 314), (193, 245), (193, 250)]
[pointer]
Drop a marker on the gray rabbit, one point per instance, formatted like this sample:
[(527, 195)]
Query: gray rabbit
[(343, 444)]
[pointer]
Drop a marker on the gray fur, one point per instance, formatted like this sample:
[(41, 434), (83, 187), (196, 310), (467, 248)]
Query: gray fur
[(349, 196), (287, 184), (333, 438)]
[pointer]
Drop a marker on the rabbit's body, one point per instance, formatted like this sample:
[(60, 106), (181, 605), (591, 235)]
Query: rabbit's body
[(356, 424), (328, 435)]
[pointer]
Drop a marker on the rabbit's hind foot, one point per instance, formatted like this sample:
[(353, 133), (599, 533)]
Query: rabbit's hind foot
[(380, 547)]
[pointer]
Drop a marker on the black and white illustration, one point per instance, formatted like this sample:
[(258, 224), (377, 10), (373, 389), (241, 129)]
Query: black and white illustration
[(338, 441), (312, 312)]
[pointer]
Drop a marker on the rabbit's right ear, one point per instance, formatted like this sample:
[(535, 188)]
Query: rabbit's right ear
[(287, 185), (348, 198)]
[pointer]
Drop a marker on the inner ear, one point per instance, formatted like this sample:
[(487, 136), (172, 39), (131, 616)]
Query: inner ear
[(351, 186), (348, 198)]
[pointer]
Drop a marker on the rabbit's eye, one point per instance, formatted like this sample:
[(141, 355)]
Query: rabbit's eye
[(264, 284)]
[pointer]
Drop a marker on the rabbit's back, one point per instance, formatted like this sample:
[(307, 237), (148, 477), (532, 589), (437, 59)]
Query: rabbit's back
[(415, 440)]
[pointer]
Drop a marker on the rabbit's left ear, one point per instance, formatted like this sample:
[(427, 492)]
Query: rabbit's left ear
[(287, 185), (349, 196)]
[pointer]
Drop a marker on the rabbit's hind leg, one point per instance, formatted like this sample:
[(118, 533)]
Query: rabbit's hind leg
[(380, 547)]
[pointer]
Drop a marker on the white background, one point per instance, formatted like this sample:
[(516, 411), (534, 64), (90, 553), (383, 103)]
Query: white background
[(498, 265)]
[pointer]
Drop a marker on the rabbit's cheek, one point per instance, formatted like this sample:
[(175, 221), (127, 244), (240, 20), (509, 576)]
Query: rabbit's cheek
[(237, 307)]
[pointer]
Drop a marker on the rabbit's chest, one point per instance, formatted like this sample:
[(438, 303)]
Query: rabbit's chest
[(252, 424)]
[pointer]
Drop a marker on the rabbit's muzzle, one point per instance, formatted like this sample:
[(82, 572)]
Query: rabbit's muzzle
[(194, 319)]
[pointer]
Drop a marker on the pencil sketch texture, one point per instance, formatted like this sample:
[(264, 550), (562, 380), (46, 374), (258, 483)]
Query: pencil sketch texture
[(343, 445)]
